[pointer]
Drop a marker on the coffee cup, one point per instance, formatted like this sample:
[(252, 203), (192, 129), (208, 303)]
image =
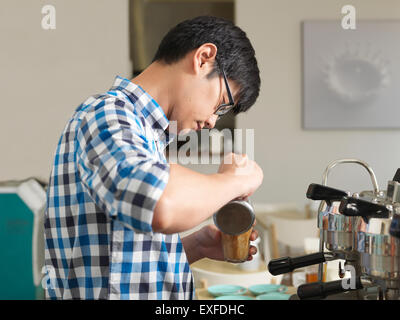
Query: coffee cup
[(235, 221)]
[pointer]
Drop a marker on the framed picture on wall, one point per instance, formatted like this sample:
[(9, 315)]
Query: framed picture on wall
[(351, 78)]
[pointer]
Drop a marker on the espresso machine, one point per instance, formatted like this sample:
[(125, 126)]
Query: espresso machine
[(354, 228), (376, 237)]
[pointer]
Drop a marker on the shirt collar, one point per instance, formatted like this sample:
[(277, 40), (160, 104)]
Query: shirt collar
[(147, 106)]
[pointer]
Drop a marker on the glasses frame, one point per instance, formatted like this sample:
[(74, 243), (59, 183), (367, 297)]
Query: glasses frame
[(221, 108)]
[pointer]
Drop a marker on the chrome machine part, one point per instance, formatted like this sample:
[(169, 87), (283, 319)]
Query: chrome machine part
[(376, 241), (337, 231), (360, 162)]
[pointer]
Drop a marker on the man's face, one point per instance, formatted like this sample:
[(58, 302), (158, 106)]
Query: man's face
[(198, 98)]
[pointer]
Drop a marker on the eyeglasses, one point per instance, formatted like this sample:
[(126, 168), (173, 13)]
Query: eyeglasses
[(225, 107)]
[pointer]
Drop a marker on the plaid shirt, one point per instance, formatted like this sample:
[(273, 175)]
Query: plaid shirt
[(109, 171)]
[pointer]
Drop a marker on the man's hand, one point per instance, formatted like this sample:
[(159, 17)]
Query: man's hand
[(206, 243), (240, 165)]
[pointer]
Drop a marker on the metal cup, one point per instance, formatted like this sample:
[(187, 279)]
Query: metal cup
[(235, 221)]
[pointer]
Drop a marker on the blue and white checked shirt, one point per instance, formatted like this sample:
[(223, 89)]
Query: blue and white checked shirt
[(108, 173)]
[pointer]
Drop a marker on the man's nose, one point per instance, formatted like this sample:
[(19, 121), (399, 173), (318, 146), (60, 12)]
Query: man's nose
[(210, 122)]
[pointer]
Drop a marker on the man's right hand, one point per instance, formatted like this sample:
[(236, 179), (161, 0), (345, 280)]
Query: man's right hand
[(191, 197), (245, 169)]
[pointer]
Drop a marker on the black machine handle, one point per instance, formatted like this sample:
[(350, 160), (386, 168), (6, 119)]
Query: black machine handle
[(287, 264), (350, 206), (320, 192), (395, 225), (397, 176), (320, 290)]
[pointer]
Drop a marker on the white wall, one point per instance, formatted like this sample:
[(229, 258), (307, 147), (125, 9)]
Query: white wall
[(45, 75), (291, 157)]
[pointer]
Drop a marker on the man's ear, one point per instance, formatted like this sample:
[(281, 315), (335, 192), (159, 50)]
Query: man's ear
[(204, 58)]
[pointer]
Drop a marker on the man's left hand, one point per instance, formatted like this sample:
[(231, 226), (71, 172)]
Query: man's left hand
[(210, 244)]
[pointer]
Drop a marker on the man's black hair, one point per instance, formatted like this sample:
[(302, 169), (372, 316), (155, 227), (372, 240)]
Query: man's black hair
[(234, 52)]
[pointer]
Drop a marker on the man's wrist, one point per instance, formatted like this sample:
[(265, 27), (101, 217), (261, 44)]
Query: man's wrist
[(233, 183)]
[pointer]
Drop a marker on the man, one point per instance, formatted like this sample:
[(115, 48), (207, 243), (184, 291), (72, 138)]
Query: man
[(115, 206)]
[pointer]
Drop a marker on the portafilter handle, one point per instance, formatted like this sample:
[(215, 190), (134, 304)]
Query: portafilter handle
[(320, 290), (288, 264)]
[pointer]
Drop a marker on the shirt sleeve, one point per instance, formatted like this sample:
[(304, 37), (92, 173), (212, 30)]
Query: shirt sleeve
[(116, 164)]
